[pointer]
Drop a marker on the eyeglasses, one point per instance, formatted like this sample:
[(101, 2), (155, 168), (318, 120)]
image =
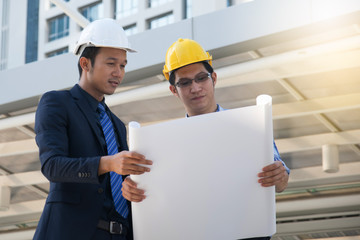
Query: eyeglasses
[(187, 82)]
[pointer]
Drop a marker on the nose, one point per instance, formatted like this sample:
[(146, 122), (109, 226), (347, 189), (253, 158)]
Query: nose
[(118, 72), (195, 87)]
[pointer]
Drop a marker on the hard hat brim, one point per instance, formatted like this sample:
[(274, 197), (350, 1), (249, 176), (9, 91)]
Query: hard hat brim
[(80, 48)]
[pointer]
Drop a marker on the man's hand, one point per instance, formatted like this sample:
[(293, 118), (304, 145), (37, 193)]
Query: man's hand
[(124, 163), (274, 175), (131, 192)]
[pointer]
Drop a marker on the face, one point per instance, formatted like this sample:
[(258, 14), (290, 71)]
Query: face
[(197, 97), (106, 74)]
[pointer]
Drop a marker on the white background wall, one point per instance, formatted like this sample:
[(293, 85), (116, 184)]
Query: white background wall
[(17, 32)]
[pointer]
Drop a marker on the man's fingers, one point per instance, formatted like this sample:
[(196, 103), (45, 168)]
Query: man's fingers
[(126, 163), (273, 180), (131, 192), (272, 170), (139, 161), (133, 197), (129, 182), (131, 154), (135, 169), (135, 165), (136, 158), (272, 166)]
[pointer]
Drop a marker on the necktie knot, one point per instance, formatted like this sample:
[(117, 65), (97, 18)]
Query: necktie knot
[(101, 110)]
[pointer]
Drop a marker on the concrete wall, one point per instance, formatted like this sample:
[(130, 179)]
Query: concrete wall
[(17, 33)]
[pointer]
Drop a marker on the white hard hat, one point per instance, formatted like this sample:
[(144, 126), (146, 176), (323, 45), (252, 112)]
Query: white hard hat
[(104, 32)]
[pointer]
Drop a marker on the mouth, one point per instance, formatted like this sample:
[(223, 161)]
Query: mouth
[(197, 98), (114, 83)]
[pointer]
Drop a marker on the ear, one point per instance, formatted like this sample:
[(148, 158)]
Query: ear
[(214, 77), (173, 90), (84, 63)]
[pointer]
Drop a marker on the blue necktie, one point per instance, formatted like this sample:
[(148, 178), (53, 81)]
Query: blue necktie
[(115, 179)]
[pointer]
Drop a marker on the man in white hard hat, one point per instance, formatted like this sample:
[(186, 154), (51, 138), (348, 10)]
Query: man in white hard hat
[(192, 79), (82, 145)]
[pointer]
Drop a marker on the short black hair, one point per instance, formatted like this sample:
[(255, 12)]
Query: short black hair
[(90, 53), (208, 67)]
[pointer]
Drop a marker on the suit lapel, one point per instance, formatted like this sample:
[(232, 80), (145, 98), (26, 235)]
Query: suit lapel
[(88, 113)]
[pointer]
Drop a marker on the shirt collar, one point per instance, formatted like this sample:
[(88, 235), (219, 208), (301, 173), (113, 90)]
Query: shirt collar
[(91, 100), (218, 109)]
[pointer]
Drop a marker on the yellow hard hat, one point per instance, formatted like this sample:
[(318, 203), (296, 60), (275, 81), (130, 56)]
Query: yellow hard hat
[(184, 52)]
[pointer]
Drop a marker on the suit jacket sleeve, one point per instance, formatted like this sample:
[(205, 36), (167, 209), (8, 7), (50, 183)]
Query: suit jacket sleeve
[(68, 150)]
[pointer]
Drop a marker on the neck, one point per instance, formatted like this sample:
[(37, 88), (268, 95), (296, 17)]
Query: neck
[(86, 88), (99, 98), (205, 111)]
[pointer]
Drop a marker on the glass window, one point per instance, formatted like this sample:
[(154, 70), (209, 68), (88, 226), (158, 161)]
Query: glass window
[(57, 52), (237, 2), (93, 12), (188, 7), (32, 29), (53, 5), (124, 8), (4, 49), (4, 34), (155, 3), (58, 27), (161, 21), (130, 30)]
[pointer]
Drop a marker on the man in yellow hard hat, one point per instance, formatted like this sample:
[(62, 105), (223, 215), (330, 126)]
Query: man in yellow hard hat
[(192, 79), (82, 145)]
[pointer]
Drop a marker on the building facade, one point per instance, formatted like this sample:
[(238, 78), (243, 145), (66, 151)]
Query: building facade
[(304, 54), (33, 30)]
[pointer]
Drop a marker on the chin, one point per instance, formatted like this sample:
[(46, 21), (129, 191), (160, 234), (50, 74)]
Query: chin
[(110, 91)]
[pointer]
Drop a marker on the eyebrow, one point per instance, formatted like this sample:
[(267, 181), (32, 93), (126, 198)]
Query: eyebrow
[(194, 76), (116, 59)]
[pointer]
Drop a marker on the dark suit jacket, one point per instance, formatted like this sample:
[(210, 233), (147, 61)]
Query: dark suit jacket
[(71, 144)]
